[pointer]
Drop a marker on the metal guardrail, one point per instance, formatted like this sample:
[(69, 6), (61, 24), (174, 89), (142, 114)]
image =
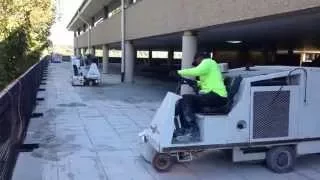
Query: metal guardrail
[(17, 102)]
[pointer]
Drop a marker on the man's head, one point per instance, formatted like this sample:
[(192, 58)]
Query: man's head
[(199, 57)]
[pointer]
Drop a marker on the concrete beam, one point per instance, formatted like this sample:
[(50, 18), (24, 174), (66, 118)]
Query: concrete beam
[(165, 20)]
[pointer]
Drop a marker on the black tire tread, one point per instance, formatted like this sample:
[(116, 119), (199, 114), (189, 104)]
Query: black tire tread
[(270, 159), (154, 164)]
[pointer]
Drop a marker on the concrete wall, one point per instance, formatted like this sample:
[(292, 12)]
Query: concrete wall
[(154, 17), (108, 31), (83, 40)]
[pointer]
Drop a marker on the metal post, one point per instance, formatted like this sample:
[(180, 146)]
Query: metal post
[(122, 40)]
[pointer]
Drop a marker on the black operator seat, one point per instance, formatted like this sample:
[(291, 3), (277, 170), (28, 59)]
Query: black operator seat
[(232, 85)]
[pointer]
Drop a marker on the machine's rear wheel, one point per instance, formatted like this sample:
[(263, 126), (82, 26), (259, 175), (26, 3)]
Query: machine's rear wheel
[(95, 83), (162, 162), (281, 159)]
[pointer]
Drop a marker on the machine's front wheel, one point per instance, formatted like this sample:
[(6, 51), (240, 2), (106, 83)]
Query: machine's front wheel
[(281, 159), (162, 162)]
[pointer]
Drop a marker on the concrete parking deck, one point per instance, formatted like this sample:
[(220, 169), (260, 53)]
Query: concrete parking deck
[(91, 133)]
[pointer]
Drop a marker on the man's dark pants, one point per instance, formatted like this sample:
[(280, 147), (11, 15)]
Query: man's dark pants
[(191, 104)]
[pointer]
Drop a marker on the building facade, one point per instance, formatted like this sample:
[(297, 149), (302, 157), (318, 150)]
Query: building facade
[(231, 27)]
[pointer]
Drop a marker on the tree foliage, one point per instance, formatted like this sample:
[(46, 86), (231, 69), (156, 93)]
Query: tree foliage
[(24, 30)]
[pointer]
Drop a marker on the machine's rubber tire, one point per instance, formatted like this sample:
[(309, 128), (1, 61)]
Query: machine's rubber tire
[(162, 162), (281, 159), (95, 83), (91, 83)]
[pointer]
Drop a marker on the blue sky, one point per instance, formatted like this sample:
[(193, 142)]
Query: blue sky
[(59, 32)]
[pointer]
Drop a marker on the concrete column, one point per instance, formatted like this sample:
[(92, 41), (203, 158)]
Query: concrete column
[(302, 58), (84, 51), (273, 55), (215, 54), (130, 56), (291, 59), (92, 22), (75, 43), (244, 57), (266, 58), (170, 58), (150, 56), (78, 52), (105, 61), (105, 12), (189, 49), (92, 50), (290, 54)]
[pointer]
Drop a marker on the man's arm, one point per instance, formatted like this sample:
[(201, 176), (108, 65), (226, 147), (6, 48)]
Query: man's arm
[(201, 69)]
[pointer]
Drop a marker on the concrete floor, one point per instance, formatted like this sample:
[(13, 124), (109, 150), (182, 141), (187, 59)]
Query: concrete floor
[(91, 133)]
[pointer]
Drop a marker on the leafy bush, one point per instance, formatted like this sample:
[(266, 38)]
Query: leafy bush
[(24, 30)]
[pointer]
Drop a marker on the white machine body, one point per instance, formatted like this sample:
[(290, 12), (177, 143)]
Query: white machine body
[(224, 67), (274, 105), (78, 81), (93, 72), (77, 76), (85, 75)]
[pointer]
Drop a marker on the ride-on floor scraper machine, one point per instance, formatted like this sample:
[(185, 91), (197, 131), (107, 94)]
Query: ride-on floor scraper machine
[(272, 114), (83, 75)]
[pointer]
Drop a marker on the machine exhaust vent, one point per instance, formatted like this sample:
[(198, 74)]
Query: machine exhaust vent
[(271, 114)]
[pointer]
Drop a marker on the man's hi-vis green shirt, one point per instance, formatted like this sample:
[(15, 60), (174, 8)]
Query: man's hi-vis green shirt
[(211, 79)]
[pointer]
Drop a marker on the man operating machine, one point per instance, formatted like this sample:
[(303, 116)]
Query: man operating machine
[(212, 92)]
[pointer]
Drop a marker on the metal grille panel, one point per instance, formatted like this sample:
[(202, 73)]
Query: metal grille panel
[(271, 114)]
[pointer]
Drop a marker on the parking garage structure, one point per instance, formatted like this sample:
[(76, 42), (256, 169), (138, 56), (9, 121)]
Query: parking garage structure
[(241, 32)]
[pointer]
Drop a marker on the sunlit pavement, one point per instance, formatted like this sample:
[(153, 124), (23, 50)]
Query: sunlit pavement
[(91, 133)]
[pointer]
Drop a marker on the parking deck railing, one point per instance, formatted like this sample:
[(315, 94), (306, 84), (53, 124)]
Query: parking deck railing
[(17, 103)]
